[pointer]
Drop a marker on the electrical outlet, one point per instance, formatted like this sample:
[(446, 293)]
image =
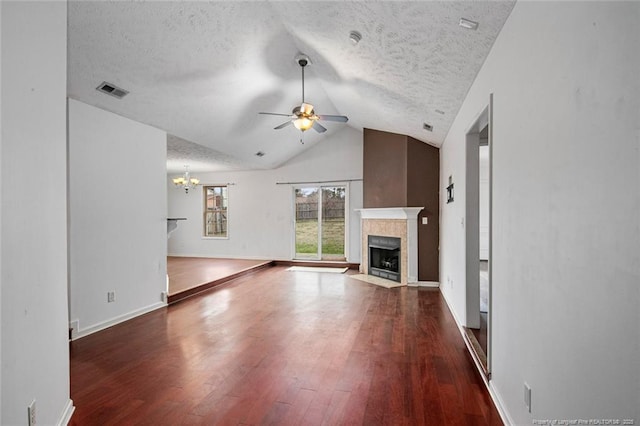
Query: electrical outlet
[(31, 413), (527, 396), (111, 296)]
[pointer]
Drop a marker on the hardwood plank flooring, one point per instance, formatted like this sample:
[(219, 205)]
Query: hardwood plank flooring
[(192, 275), (283, 348)]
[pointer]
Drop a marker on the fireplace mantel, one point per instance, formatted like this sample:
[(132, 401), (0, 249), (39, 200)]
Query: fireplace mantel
[(401, 222), (390, 213)]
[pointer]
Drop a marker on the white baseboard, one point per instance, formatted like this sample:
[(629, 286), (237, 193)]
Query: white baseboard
[(453, 312), (430, 284), (65, 418), (493, 393), (82, 332), (504, 414)]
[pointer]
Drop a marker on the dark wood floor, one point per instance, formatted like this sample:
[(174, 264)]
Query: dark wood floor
[(283, 348), (187, 273)]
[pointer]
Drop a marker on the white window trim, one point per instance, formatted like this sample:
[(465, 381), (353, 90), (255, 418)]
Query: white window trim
[(203, 206)]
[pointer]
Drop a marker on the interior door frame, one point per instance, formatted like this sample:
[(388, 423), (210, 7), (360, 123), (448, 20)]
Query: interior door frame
[(472, 226)]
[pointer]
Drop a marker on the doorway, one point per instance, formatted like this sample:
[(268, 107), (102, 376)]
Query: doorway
[(320, 222), (478, 237)]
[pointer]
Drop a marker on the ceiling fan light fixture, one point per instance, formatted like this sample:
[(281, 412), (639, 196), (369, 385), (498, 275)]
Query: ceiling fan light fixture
[(303, 123), (306, 109), (304, 117)]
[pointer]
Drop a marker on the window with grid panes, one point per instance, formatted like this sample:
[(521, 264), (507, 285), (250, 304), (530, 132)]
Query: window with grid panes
[(215, 211)]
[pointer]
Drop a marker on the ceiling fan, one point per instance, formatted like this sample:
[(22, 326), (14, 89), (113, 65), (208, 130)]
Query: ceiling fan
[(304, 117)]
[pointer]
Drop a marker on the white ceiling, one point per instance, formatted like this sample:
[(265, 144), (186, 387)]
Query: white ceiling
[(203, 70)]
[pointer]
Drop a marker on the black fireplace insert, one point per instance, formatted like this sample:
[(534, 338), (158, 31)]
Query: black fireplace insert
[(384, 257)]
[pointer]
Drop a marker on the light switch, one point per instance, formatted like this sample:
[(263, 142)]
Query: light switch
[(425, 220)]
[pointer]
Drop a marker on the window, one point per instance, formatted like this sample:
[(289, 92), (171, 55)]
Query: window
[(215, 211), (320, 222)]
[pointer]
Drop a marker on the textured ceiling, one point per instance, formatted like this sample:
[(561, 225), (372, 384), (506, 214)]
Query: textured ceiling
[(202, 71)]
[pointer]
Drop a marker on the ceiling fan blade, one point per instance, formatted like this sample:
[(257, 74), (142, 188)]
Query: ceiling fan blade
[(282, 126), (319, 127), (275, 113), (340, 118)]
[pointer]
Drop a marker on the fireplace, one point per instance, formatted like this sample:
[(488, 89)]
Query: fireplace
[(384, 257), (394, 229)]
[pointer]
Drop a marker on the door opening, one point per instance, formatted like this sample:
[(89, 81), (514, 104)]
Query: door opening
[(478, 238), (320, 222)]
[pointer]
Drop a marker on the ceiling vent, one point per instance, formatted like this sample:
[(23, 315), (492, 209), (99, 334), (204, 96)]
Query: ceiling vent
[(355, 37), (427, 127), (468, 24), (112, 89)]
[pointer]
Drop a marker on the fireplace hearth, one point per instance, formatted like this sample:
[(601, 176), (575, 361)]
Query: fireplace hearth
[(384, 257)]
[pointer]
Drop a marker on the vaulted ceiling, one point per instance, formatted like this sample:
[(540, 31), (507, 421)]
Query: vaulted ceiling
[(203, 70)]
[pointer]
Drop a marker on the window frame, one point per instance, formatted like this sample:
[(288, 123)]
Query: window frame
[(204, 211), (347, 218)]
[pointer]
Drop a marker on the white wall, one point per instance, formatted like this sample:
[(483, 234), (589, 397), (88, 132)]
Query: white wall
[(117, 199), (1, 214), (261, 212), (484, 202), (35, 351), (566, 209)]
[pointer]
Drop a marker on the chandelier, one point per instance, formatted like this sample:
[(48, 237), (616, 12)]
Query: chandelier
[(186, 181)]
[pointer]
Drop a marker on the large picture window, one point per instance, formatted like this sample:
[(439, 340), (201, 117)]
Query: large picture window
[(215, 211)]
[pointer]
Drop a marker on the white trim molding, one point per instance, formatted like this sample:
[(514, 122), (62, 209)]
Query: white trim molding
[(79, 332), (390, 213), (65, 418), (429, 284)]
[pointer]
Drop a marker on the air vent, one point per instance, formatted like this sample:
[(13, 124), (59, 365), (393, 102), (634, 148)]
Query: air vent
[(112, 89), (427, 127), (468, 24)]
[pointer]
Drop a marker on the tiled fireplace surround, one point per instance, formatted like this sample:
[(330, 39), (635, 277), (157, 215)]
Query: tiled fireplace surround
[(399, 222)]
